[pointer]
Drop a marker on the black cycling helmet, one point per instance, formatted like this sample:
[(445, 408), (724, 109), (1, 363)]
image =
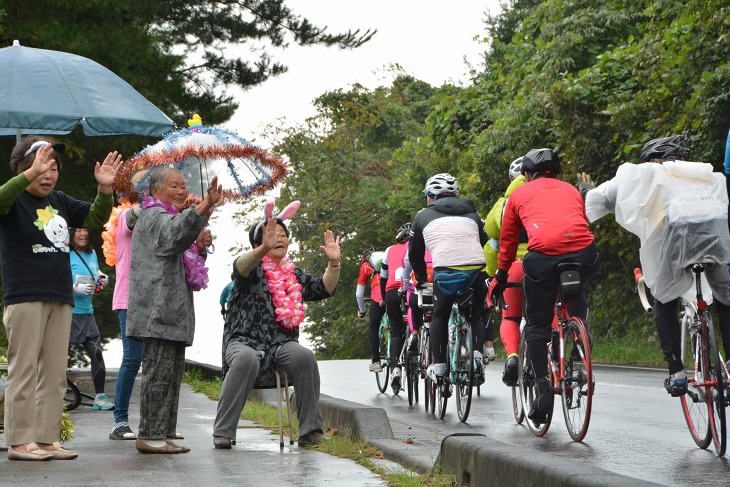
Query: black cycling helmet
[(541, 160), (403, 233), (665, 149), (367, 253)]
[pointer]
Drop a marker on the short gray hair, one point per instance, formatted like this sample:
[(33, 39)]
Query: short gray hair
[(159, 175)]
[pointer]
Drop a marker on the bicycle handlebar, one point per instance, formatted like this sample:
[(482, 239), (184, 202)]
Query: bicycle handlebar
[(641, 289), (500, 301)]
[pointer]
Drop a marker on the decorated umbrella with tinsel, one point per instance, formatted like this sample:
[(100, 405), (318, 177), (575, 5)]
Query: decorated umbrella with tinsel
[(200, 153)]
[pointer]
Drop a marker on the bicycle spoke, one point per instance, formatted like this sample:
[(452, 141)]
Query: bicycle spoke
[(697, 414), (718, 388), (578, 387)]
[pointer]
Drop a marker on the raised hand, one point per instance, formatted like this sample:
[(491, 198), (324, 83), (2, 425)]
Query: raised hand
[(212, 196), (204, 240), (42, 163), (106, 172), (268, 238), (331, 247)]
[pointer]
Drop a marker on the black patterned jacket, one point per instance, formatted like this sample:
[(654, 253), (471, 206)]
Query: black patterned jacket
[(250, 318)]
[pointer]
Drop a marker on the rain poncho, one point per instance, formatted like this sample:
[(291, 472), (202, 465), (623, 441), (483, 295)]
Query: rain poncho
[(678, 209)]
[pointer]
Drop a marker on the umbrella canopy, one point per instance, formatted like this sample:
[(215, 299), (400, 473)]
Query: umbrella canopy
[(200, 153), (52, 92)]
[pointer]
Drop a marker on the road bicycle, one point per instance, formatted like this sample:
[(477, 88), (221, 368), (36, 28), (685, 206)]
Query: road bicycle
[(425, 303), (460, 363), (704, 404), (518, 411), (406, 361), (569, 364)]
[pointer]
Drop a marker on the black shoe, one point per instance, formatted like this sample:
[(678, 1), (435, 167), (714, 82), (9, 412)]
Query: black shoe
[(313, 438), (509, 376), (543, 405), (676, 387), (222, 442)]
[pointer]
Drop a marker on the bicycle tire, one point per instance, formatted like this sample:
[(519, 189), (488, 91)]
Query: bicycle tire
[(517, 407), (464, 372), (719, 389), (408, 370), (381, 377), (72, 398), (442, 394), (578, 386), (429, 388), (694, 404), (528, 391)]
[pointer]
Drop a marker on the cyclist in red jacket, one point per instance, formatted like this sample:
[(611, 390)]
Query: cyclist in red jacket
[(377, 305), (554, 216)]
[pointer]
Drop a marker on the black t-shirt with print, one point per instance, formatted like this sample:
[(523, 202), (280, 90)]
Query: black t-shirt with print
[(34, 247)]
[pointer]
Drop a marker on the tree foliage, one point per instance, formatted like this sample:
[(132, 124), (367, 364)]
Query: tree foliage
[(182, 56), (592, 80)]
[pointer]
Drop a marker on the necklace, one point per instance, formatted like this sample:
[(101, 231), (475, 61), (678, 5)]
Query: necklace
[(286, 292), (196, 274)]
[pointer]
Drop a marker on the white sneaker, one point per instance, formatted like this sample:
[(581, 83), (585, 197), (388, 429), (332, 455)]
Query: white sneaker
[(395, 378), (103, 403), (477, 357), (436, 371), (375, 367), (489, 355)]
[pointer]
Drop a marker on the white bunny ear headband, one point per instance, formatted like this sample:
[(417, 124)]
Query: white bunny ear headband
[(285, 214)]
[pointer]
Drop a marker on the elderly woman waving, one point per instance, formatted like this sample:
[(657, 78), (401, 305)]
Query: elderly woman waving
[(168, 247), (262, 326)]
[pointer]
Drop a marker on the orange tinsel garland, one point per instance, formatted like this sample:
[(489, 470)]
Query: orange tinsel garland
[(110, 228)]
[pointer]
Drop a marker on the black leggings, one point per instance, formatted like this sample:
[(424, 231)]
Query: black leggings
[(98, 369), (440, 322), (376, 314), (670, 332)]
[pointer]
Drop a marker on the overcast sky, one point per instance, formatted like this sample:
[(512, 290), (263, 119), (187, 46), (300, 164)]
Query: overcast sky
[(428, 39)]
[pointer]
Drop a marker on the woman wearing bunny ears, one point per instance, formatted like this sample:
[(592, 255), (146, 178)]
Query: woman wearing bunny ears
[(262, 326)]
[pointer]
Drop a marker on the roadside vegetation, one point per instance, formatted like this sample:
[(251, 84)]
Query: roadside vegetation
[(342, 444)]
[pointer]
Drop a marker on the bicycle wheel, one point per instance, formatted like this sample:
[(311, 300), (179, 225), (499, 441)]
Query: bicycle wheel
[(72, 399), (429, 388), (443, 392), (578, 386), (384, 338), (518, 409), (718, 390), (412, 376), (697, 414), (528, 390), (464, 371)]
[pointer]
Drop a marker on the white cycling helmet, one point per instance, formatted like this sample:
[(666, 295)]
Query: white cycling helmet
[(515, 168), (441, 184)]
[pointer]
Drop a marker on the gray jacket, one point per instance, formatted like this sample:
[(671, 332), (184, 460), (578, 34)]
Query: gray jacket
[(160, 301)]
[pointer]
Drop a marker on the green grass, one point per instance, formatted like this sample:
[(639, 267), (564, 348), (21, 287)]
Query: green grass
[(342, 445)]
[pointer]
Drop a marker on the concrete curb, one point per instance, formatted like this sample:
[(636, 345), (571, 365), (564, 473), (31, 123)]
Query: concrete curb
[(476, 461)]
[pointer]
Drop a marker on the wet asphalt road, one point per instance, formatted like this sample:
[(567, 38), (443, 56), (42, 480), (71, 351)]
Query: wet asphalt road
[(636, 428)]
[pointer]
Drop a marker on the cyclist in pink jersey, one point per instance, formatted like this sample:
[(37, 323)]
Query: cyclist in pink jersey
[(391, 274)]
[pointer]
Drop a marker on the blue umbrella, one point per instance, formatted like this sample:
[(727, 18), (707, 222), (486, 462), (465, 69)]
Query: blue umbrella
[(52, 92)]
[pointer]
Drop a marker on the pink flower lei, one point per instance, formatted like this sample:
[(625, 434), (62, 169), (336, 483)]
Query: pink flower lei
[(196, 274), (286, 292)]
